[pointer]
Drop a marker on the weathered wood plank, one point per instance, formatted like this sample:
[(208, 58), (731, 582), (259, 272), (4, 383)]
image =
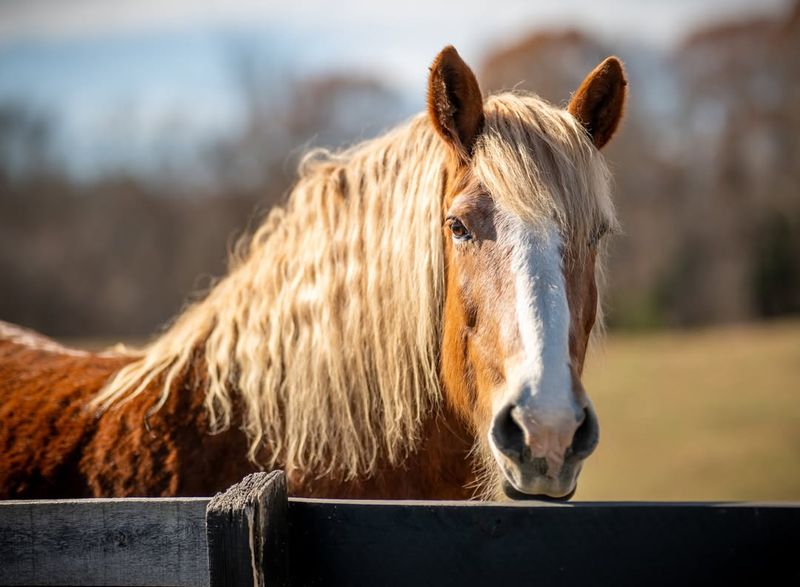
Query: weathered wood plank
[(360, 543), (104, 542), (247, 533), (165, 542)]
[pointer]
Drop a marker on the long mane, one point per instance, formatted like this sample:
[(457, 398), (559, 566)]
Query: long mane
[(326, 332)]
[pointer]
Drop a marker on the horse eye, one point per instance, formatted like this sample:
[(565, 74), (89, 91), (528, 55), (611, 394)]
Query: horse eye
[(458, 229)]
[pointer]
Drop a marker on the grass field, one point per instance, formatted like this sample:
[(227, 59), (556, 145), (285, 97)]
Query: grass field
[(708, 414)]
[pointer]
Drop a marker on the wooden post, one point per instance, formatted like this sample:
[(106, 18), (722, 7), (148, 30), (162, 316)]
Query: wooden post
[(247, 531)]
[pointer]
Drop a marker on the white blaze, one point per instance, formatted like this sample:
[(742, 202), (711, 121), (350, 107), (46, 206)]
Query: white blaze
[(543, 312), (539, 379)]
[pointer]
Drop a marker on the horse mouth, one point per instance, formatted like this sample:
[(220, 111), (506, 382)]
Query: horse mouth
[(513, 493)]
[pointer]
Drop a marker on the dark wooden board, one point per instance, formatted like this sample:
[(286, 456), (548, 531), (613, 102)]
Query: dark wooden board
[(355, 543), (104, 542), (244, 531)]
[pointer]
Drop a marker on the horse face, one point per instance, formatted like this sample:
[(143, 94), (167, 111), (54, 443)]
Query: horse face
[(521, 300), (520, 309)]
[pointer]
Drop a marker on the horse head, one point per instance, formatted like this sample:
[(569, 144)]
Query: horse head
[(526, 205)]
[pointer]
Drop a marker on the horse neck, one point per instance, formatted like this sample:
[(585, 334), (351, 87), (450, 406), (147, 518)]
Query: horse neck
[(442, 467)]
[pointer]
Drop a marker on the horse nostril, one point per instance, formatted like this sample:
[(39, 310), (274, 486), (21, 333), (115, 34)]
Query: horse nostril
[(586, 436), (507, 435)]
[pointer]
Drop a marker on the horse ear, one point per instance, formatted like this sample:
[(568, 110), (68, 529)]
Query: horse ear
[(599, 102), (455, 105)]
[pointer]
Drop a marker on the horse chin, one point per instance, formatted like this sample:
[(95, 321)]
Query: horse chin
[(530, 482), (512, 492)]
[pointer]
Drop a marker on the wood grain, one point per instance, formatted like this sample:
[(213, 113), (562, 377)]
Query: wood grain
[(247, 533), (104, 542)]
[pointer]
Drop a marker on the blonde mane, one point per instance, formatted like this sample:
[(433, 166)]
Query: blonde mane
[(325, 334)]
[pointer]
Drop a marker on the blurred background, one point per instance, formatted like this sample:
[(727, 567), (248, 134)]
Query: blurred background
[(138, 139)]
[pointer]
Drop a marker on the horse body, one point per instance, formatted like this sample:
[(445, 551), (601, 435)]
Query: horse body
[(412, 324), (53, 446)]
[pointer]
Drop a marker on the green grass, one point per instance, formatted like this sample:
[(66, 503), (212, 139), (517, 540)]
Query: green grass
[(701, 415)]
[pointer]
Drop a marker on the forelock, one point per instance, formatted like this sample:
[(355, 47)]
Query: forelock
[(538, 162)]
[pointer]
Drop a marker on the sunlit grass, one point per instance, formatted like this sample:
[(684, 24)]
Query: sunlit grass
[(710, 414)]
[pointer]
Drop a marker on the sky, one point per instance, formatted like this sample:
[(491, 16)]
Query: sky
[(123, 75)]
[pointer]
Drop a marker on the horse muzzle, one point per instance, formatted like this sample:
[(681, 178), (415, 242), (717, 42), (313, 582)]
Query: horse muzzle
[(537, 460)]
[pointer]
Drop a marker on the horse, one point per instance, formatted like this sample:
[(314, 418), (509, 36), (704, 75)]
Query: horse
[(411, 324)]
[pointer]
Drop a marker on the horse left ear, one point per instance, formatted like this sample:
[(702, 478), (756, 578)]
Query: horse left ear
[(455, 104), (599, 102)]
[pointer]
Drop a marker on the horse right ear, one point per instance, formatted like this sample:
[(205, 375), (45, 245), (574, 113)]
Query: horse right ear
[(600, 101), (455, 105)]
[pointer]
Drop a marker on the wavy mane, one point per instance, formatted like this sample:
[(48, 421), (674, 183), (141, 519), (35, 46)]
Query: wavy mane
[(326, 331)]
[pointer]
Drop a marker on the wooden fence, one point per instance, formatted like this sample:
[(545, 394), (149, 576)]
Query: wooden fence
[(253, 535)]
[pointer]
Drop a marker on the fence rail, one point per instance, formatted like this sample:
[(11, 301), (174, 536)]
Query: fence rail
[(252, 534), (104, 542)]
